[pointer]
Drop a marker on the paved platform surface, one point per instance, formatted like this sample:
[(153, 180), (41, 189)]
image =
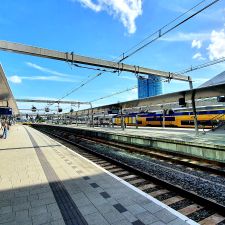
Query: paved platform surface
[(180, 134), (43, 182)]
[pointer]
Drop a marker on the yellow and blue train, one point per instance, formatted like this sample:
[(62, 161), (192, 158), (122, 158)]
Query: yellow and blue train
[(208, 117)]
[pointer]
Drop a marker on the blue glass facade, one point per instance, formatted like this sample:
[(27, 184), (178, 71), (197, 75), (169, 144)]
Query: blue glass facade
[(150, 86)]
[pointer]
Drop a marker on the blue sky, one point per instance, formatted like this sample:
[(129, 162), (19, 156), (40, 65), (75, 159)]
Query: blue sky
[(105, 29)]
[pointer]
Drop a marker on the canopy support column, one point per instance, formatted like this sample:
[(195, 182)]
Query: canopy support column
[(194, 107)]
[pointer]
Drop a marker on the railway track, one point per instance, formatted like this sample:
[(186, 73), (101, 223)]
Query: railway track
[(216, 168), (198, 208)]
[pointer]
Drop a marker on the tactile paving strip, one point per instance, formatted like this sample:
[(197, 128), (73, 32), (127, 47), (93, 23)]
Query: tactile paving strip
[(70, 212)]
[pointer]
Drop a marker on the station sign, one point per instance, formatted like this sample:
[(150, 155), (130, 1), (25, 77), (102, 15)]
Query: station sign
[(5, 111)]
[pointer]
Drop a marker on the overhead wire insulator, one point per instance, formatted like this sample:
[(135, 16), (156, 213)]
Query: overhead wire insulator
[(33, 109)]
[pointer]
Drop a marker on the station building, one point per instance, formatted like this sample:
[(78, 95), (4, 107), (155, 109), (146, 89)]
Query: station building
[(150, 86)]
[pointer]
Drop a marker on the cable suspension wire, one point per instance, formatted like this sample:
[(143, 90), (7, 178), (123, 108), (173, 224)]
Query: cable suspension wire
[(93, 68), (209, 63), (160, 34), (116, 93)]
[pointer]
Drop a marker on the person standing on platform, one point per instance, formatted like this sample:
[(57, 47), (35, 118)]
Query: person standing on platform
[(5, 129)]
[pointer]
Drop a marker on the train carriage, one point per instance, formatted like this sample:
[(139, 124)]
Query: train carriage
[(207, 117)]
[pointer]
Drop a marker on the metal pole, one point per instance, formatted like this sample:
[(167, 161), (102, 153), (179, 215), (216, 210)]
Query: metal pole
[(76, 119), (78, 106), (163, 124), (58, 114), (88, 119), (92, 118), (136, 121), (71, 118), (112, 123), (122, 120), (194, 107)]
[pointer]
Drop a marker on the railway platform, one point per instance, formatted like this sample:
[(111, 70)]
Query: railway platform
[(183, 134), (44, 182)]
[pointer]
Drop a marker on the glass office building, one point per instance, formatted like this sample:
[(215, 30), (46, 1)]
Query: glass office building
[(150, 86)]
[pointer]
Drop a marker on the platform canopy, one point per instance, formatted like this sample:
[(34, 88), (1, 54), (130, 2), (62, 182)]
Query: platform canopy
[(218, 79), (6, 96), (163, 100)]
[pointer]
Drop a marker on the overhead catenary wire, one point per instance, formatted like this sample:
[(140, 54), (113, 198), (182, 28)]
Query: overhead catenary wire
[(209, 63), (77, 88), (160, 34), (158, 31), (116, 93)]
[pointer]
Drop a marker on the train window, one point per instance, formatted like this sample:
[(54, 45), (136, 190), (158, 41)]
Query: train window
[(170, 118), (167, 118), (187, 122), (205, 123)]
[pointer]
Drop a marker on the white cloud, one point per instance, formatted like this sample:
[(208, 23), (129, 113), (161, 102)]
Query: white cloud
[(216, 48), (15, 79), (91, 5), (18, 79), (181, 36), (49, 78), (44, 69), (196, 44), (198, 56), (126, 10)]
